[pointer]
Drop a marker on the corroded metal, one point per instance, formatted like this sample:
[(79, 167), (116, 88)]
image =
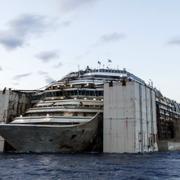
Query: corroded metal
[(52, 138)]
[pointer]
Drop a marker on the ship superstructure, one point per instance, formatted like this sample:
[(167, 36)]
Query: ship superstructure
[(74, 99)]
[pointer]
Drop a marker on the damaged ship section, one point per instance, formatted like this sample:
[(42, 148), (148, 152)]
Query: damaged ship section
[(13, 103), (92, 110), (168, 123), (53, 138)]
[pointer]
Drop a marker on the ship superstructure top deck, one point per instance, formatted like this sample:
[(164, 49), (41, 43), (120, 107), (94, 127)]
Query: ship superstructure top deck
[(77, 95)]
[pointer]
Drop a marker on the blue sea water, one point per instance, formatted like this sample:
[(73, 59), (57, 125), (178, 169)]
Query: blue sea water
[(90, 166)]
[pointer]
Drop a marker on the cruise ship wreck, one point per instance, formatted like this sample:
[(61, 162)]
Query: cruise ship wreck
[(67, 115)]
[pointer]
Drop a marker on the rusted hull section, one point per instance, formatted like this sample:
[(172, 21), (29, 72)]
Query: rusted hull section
[(52, 138)]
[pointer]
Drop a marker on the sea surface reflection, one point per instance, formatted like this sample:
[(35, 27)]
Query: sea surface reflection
[(90, 166)]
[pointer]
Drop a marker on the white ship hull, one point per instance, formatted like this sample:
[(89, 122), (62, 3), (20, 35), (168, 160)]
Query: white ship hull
[(52, 138)]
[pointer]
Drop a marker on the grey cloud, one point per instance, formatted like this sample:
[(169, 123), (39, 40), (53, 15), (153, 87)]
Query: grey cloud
[(29, 24), (112, 37), (22, 28), (1, 68), (49, 79), (69, 5), (175, 41), (20, 76), (47, 56), (10, 41)]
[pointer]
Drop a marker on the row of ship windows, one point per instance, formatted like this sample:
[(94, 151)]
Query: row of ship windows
[(74, 93), (103, 76), (107, 70), (62, 114), (71, 93), (71, 106)]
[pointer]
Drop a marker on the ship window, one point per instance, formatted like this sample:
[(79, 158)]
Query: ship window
[(80, 92), (83, 93), (94, 93), (68, 93), (97, 93), (75, 92), (87, 93), (36, 97), (59, 93)]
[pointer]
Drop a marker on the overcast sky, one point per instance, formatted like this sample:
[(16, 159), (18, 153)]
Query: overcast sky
[(42, 40)]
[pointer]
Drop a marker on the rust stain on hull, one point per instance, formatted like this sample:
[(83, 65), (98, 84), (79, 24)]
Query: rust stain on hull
[(52, 138)]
